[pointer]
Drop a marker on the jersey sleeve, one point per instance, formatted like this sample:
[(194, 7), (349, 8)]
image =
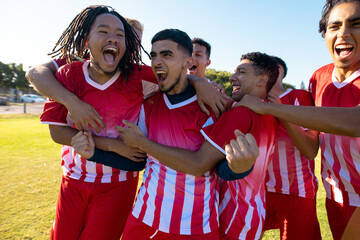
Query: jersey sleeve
[(224, 171), (221, 133), (55, 113), (117, 161), (149, 82)]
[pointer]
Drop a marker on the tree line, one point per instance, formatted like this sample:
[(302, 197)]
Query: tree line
[(13, 76)]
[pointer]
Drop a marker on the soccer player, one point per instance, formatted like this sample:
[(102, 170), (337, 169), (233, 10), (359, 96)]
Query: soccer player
[(201, 57), (336, 91), (291, 183), (242, 202), (92, 203)]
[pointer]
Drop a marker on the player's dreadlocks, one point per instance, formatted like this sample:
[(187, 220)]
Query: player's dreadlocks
[(71, 43)]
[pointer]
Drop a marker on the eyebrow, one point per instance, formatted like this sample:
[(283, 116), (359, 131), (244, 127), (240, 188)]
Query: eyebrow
[(165, 51), (106, 26), (354, 19)]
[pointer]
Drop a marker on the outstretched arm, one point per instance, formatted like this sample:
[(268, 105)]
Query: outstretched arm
[(208, 95), (335, 120), (306, 141), (64, 134), (43, 78), (85, 146), (194, 163)]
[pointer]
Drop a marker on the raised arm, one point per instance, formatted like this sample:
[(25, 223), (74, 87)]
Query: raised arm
[(306, 141), (208, 95), (64, 134), (194, 163), (335, 120), (43, 78)]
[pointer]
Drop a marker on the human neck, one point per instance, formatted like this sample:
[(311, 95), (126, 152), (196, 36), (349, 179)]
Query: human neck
[(342, 74), (180, 86), (98, 75), (277, 89)]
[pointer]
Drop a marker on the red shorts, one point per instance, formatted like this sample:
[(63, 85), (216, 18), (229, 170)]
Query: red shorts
[(136, 229), (338, 217), (93, 210), (294, 216)]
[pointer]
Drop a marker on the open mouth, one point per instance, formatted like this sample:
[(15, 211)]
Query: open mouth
[(193, 68), (344, 50), (235, 89), (161, 75), (110, 54)]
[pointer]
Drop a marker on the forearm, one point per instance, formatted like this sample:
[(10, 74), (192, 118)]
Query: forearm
[(62, 134), (114, 160), (224, 171), (307, 142), (43, 79), (181, 160), (335, 120)]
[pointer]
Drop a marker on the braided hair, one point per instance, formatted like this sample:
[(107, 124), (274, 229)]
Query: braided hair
[(72, 42)]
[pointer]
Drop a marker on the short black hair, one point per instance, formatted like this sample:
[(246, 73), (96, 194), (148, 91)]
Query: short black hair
[(263, 64), (281, 63), (329, 5), (181, 38), (203, 43)]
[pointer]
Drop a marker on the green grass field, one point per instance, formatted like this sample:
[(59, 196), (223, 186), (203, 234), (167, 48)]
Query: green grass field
[(30, 179)]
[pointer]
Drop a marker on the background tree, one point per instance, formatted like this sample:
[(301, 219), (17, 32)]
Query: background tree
[(13, 76)]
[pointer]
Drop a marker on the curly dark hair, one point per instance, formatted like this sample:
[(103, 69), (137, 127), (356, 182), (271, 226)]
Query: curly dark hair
[(329, 5), (263, 64), (71, 43)]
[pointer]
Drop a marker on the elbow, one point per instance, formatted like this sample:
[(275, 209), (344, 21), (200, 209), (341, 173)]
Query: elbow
[(55, 133), (29, 75)]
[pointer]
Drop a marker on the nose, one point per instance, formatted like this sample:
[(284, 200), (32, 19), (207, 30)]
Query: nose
[(155, 61), (232, 78), (113, 38), (344, 31)]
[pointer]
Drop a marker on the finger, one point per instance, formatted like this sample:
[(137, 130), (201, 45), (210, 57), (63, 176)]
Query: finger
[(229, 152), (203, 107), (128, 123), (221, 106), (98, 119), (94, 125), (215, 109), (252, 143)]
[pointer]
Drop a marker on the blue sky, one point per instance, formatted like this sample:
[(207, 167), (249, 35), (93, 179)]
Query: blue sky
[(288, 29)]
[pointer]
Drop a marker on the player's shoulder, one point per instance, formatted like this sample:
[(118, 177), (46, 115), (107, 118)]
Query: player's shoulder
[(325, 69), (153, 99)]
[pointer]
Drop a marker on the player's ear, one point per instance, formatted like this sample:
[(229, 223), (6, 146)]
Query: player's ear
[(208, 62), (262, 81), (189, 62)]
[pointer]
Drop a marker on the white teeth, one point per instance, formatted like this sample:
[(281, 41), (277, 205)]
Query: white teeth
[(160, 72), (111, 49), (344, 46)]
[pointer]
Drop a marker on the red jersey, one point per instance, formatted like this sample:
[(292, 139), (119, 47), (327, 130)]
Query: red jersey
[(242, 202), (340, 155), (289, 171), (168, 200), (115, 100)]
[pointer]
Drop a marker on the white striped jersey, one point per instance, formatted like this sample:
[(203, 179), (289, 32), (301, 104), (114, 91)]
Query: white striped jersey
[(168, 200), (115, 100), (340, 155), (289, 171), (242, 202)]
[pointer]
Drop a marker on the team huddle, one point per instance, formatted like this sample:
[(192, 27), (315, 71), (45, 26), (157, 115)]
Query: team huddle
[(213, 167)]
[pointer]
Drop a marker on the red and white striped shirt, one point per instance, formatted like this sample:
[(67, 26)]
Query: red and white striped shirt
[(340, 155), (289, 171), (242, 202), (168, 200), (115, 100)]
